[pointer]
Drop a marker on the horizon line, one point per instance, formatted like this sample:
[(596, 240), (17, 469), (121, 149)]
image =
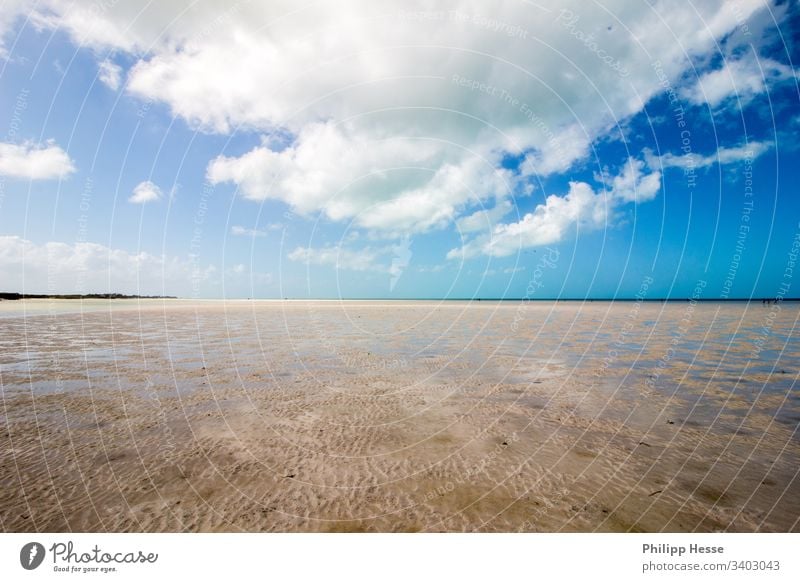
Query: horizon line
[(7, 296)]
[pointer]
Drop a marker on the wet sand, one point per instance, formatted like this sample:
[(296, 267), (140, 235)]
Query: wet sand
[(176, 415)]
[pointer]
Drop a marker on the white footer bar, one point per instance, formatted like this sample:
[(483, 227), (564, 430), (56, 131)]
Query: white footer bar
[(354, 557)]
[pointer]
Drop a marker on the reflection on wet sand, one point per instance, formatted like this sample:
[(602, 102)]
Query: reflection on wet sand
[(398, 416)]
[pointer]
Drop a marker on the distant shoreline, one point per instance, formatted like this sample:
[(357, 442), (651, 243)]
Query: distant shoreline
[(769, 300), (19, 296)]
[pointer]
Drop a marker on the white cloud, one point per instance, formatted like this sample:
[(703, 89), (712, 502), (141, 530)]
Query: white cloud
[(484, 219), (339, 65), (110, 74), (377, 131), (11, 11), (737, 154), (34, 162), (633, 185), (547, 224), (723, 156), (392, 185), (560, 151), (743, 78), (401, 257), (323, 162), (145, 192), (287, 59), (252, 232), (238, 230), (550, 222), (340, 258), (56, 267)]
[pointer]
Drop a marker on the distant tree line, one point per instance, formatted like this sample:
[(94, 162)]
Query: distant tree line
[(17, 296)]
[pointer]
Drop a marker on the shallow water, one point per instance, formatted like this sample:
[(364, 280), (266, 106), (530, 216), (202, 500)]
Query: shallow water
[(171, 415)]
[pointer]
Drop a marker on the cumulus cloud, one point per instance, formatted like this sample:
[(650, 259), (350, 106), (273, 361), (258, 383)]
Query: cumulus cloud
[(581, 207), (397, 117), (57, 267), (743, 78), (389, 184), (723, 156), (110, 74), (145, 192), (324, 160), (547, 224), (559, 152), (633, 185), (288, 58), (484, 219), (34, 162)]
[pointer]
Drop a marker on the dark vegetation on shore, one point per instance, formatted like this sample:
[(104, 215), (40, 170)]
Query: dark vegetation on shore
[(17, 296)]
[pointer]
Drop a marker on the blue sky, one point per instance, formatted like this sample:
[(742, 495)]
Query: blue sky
[(392, 150)]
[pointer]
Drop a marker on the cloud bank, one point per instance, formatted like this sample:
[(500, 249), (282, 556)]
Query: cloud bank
[(56, 267), (400, 119)]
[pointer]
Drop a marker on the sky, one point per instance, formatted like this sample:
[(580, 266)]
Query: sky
[(382, 149)]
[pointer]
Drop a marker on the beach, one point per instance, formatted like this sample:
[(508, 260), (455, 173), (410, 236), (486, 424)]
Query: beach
[(399, 416)]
